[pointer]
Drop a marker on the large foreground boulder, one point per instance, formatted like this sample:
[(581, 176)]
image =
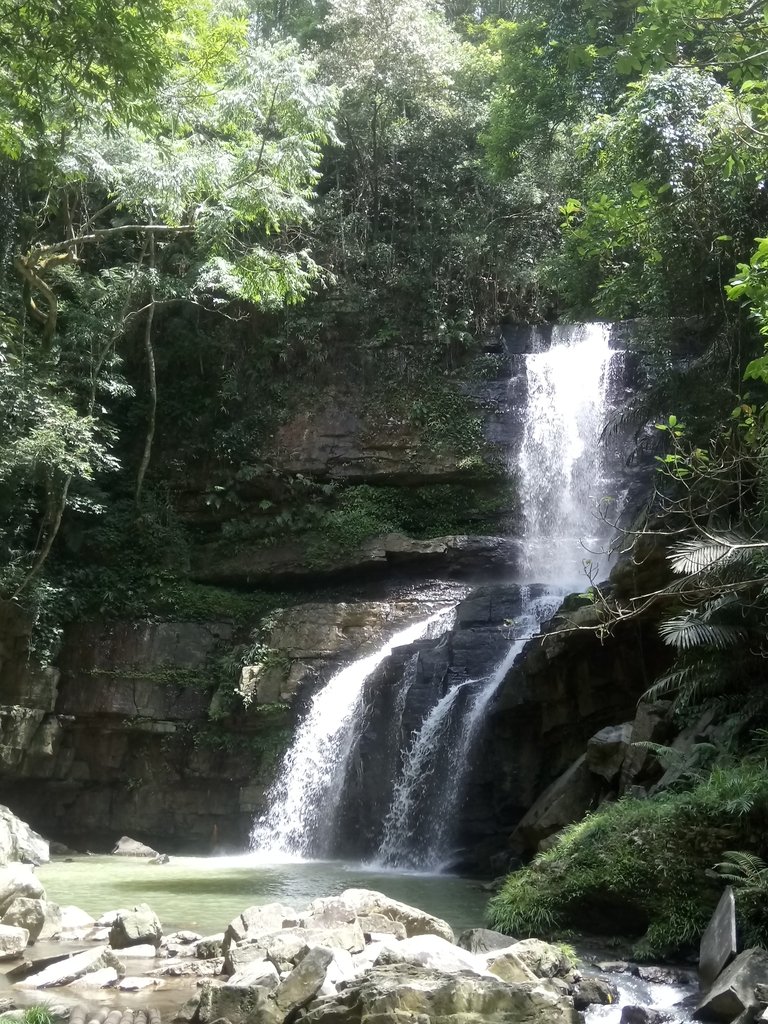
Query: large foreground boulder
[(417, 922), (18, 842), (734, 990), (404, 992)]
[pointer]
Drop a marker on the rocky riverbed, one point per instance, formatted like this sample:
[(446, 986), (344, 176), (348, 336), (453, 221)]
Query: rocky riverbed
[(357, 956)]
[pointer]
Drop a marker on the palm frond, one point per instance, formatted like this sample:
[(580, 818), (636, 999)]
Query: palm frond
[(685, 632), (701, 554)]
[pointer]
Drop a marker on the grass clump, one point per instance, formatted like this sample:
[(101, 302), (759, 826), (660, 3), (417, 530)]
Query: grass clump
[(644, 868), (38, 1014)]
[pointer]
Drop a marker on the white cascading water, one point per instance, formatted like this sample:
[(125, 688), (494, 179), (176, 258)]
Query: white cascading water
[(304, 800), (560, 468), (562, 483)]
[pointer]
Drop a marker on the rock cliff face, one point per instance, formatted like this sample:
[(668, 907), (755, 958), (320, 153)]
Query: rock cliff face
[(139, 730), (139, 727)]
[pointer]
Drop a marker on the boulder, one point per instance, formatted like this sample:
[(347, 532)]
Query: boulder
[(238, 1004), (137, 984), (286, 947), (593, 991), (434, 952), (483, 940), (567, 800), (52, 925), (544, 959), (18, 880), (239, 958), (18, 842), (642, 1015), (144, 950), (340, 971), (607, 749), (304, 981), (255, 921), (136, 927), (26, 913), (408, 993), (188, 968), (209, 946), (64, 972), (330, 911), (75, 923), (417, 922), (510, 968), (127, 847), (258, 973), (718, 943), (734, 990), (105, 977), (378, 924), (13, 941)]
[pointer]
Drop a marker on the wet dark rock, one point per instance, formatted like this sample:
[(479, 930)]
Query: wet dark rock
[(483, 940), (733, 991), (642, 1015), (591, 991)]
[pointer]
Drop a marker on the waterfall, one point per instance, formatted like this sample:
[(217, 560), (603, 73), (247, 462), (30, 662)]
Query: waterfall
[(562, 480), (560, 469), (420, 824), (303, 803)]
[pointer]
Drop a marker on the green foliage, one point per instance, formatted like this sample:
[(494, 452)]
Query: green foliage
[(640, 867), (38, 1014)]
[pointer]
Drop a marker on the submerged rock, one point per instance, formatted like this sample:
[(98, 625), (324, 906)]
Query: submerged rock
[(127, 847)]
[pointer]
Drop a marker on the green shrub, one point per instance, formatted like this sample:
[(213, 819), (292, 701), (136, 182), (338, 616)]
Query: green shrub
[(642, 868)]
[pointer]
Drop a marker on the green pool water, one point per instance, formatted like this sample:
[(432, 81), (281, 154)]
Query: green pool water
[(205, 893)]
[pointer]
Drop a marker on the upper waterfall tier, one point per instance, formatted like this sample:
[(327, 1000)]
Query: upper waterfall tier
[(561, 468)]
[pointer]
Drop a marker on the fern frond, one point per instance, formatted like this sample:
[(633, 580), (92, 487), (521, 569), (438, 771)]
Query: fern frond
[(677, 679), (700, 554), (684, 632)]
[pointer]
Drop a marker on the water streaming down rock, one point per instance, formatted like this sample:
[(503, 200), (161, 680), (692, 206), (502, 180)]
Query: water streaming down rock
[(420, 826), (303, 802), (563, 480), (561, 467)]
